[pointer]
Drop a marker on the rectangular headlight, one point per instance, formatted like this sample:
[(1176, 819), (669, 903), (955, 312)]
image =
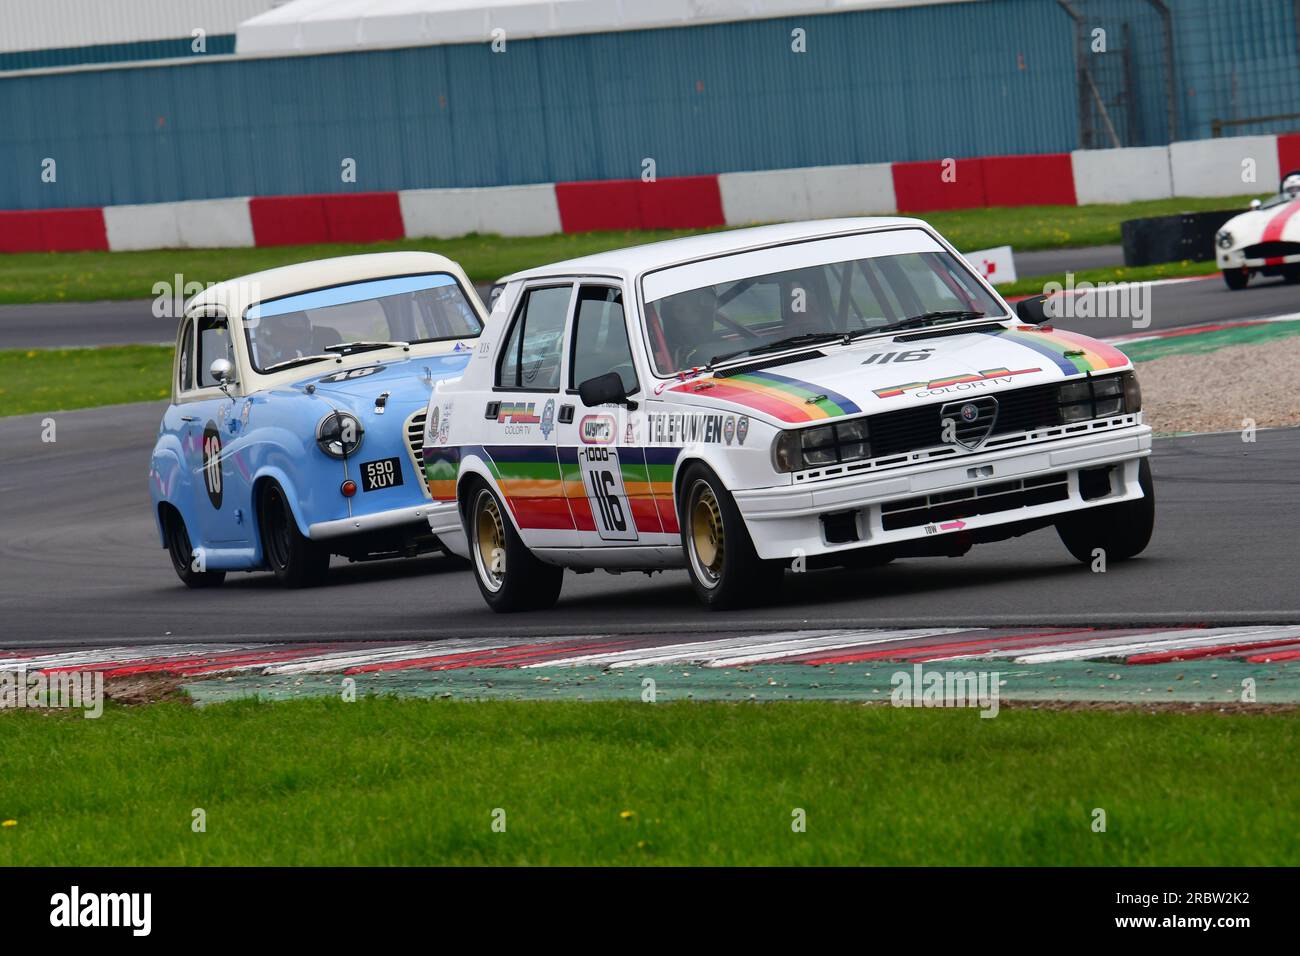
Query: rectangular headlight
[(821, 445), (1099, 397)]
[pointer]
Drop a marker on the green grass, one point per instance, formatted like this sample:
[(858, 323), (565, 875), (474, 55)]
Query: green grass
[(388, 781), (94, 276), (48, 380)]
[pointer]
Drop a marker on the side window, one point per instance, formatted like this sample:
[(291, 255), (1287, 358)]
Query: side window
[(214, 343), (185, 350), (531, 356), (600, 342)]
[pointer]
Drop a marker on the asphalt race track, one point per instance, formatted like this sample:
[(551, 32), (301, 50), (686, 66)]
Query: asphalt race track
[(80, 563), (1174, 305)]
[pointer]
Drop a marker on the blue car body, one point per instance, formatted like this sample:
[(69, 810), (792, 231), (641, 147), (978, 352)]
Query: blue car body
[(219, 447)]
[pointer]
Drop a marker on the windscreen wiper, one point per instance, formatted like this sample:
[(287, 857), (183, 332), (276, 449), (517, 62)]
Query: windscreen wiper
[(300, 360), (790, 341), (346, 348), (912, 321)]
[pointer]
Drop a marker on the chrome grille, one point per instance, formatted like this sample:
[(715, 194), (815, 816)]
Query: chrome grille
[(415, 445)]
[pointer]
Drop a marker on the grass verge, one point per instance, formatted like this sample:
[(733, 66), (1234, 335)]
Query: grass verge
[(389, 782), (95, 276), (49, 380)]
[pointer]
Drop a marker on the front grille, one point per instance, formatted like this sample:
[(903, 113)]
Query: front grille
[(1271, 250), (966, 502), (1019, 410), (415, 444)]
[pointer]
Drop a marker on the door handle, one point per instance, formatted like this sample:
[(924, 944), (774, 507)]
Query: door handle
[(188, 418), (566, 414)]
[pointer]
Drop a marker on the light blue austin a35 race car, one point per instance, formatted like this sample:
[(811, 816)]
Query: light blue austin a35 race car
[(297, 415)]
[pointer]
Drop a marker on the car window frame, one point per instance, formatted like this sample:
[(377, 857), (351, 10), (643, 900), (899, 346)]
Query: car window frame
[(517, 312), (572, 338), (197, 393)]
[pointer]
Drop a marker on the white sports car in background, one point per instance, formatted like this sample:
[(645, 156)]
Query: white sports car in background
[(1265, 240), (793, 396)]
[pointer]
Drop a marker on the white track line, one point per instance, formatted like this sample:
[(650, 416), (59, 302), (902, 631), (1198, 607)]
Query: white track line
[(1171, 641), (731, 652)]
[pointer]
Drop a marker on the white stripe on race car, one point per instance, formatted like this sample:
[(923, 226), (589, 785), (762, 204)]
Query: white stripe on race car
[(1169, 641), (739, 650)]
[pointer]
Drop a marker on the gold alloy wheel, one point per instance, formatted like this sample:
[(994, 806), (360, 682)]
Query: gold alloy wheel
[(489, 541), (708, 545)]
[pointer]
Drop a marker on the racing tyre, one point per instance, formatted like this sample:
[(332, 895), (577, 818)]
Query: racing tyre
[(1121, 530), (182, 554), (509, 576), (725, 570), (1236, 279), (297, 562)]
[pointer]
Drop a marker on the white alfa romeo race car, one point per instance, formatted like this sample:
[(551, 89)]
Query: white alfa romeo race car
[(1265, 240), (794, 396)]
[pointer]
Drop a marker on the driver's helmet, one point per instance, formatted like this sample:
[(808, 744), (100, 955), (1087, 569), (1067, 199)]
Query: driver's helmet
[(688, 319), (1291, 185), (285, 337)]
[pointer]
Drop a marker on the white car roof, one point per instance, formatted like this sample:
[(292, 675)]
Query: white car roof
[(635, 260), (238, 293)]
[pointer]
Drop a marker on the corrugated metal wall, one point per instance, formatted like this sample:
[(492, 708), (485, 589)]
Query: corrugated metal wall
[(981, 78)]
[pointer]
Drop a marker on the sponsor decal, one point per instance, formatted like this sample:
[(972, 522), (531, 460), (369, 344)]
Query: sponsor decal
[(211, 451), (742, 429), (954, 383), (518, 417), (880, 358), (677, 428), (548, 418), (729, 429), (352, 374), (597, 430), (630, 438)]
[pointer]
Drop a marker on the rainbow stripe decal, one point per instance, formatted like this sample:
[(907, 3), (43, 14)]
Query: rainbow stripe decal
[(788, 399), (1072, 353)]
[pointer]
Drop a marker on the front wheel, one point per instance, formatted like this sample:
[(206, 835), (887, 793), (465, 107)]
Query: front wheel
[(1120, 531), (724, 567), (184, 561), (1236, 279), (509, 576), (297, 561)]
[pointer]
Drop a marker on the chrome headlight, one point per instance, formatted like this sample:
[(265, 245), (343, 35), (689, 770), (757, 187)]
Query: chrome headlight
[(339, 434), (1223, 239), (821, 445)]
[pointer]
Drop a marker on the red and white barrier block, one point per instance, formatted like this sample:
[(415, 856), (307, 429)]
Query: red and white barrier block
[(1216, 167)]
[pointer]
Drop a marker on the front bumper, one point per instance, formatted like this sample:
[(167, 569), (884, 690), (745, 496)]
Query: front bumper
[(889, 507), (1236, 259)]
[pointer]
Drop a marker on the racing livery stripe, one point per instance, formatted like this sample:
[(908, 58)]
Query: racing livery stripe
[(1277, 225), (1072, 353), (786, 398)]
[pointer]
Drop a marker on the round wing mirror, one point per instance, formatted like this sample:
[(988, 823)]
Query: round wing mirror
[(1254, 204), (221, 371)]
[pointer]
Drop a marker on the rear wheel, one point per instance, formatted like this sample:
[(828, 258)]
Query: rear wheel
[(297, 561), (1236, 279), (509, 576), (725, 570), (1120, 531), (182, 554)]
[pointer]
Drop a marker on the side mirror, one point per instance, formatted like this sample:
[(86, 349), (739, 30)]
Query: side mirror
[(1255, 204), (1033, 311), (222, 371), (604, 389)]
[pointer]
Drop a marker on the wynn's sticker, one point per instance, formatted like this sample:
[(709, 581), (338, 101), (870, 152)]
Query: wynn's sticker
[(603, 479), (597, 430)]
